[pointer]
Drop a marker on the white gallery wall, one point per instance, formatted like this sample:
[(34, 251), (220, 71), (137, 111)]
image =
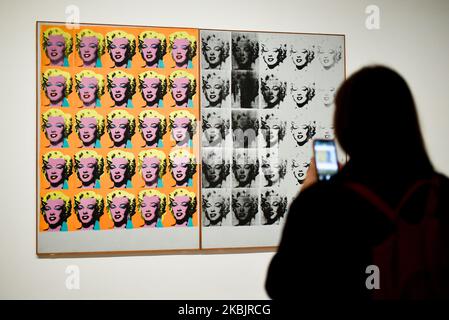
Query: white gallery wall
[(412, 38)]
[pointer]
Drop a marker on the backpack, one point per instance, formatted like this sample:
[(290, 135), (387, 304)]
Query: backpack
[(413, 260)]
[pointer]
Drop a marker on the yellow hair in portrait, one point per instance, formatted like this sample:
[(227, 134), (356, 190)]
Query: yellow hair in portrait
[(183, 74), (181, 153), (57, 195), (56, 73), (90, 33), (154, 153), (154, 75), (183, 114), (154, 35), (122, 74), (89, 113), (58, 155), (124, 155), (184, 35), (154, 114), (90, 74), (58, 32), (90, 154), (121, 194), (90, 194), (152, 193), (58, 113), (184, 192), (122, 34), (122, 114)]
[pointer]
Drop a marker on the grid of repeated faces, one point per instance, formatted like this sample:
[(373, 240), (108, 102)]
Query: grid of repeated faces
[(265, 96), (107, 95)]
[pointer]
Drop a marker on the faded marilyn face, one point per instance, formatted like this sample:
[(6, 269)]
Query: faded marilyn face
[(87, 90), (179, 206), (300, 133), (150, 90), (149, 208), (212, 52), (54, 130), (180, 130), (179, 169), (119, 208), (54, 90), (118, 49), (180, 51), (180, 90), (270, 130), (214, 207), (213, 129), (86, 210), (213, 91), (55, 49), (299, 95), (54, 171), (118, 168), (118, 130), (271, 92), (300, 170), (327, 57), (150, 48), (329, 96), (86, 170), (150, 170), (87, 131), (150, 129), (88, 50), (271, 171), (119, 86), (53, 212)]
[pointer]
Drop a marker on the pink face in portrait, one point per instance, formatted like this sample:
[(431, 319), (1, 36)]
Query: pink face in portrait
[(53, 212), (54, 90), (86, 170), (149, 207), (214, 90), (88, 130), (86, 210), (54, 171), (179, 169), (150, 170), (150, 128), (118, 208), (150, 90), (180, 205), (180, 51), (54, 130), (118, 130), (118, 168), (180, 90), (150, 48), (88, 50), (119, 86), (180, 129), (55, 49), (87, 90), (118, 48)]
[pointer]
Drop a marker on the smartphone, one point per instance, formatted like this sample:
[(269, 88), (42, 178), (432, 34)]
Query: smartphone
[(325, 158)]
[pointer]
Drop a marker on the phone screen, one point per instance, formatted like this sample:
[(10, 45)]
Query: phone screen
[(325, 158)]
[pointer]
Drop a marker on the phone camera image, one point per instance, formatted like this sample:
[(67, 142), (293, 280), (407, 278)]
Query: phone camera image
[(325, 158)]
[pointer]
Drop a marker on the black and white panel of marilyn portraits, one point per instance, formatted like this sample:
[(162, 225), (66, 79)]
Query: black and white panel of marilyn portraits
[(264, 98)]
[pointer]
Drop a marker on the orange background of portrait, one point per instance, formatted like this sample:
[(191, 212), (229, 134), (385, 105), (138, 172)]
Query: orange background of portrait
[(75, 106)]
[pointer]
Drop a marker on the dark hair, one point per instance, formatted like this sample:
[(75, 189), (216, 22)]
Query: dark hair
[(375, 117)]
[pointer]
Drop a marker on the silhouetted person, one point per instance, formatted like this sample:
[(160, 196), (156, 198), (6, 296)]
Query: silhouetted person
[(387, 200)]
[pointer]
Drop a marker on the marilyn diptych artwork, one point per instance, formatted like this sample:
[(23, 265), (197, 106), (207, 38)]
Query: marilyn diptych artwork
[(175, 139)]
